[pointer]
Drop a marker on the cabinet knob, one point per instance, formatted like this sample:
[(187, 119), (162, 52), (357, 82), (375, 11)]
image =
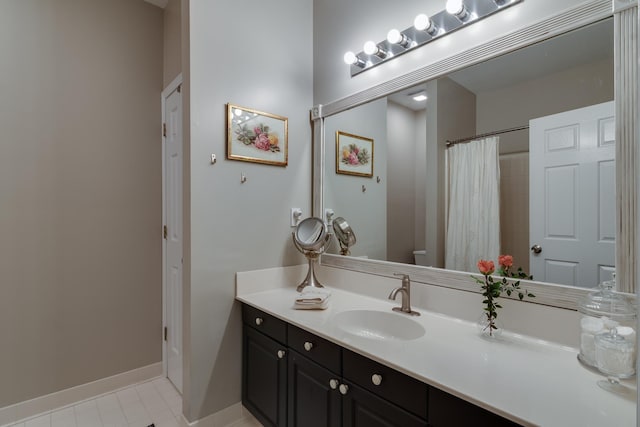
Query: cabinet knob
[(333, 384), (376, 379), (281, 354), (344, 389), (259, 321), (308, 345)]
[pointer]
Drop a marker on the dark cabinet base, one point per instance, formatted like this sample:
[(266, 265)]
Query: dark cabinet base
[(312, 401), (446, 410), (361, 408), (264, 379)]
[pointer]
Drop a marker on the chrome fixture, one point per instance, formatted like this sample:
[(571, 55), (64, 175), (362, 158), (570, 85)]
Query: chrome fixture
[(311, 239), (405, 290), (396, 37), (459, 10), (345, 235), (370, 48), (457, 14), (422, 22), (351, 59)]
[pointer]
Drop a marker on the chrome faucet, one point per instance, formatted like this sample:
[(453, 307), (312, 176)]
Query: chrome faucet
[(405, 289)]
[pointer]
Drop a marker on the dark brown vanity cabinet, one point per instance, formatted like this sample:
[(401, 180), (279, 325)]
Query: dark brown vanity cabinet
[(264, 367), (446, 410), (293, 378), (380, 396), (312, 402)]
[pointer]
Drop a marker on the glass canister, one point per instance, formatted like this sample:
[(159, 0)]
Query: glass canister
[(601, 311), (615, 355)]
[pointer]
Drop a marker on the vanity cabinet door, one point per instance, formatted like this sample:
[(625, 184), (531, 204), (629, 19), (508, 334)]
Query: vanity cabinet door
[(446, 410), (312, 400), (264, 378), (394, 386), (361, 408)]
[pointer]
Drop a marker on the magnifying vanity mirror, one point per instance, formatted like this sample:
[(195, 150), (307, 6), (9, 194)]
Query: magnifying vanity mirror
[(345, 235), (310, 238), (537, 99)]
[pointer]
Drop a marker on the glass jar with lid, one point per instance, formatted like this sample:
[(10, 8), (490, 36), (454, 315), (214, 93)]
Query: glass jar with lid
[(601, 311)]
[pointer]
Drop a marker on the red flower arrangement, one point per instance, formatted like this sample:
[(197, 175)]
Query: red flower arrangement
[(492, 288)]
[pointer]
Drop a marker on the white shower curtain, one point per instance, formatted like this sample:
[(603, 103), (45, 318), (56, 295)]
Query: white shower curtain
[(473, 214)]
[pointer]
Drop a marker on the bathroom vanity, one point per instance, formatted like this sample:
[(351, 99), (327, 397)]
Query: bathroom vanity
[(296, 378), (357, 363)]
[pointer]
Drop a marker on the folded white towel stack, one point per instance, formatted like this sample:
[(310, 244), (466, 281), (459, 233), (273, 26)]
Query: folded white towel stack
[(312, 298)]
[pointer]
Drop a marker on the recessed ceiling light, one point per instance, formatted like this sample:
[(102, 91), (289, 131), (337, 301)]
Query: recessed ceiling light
[(419, 96)]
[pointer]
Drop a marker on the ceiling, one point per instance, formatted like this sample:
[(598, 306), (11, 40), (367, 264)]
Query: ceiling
[(588, 44)]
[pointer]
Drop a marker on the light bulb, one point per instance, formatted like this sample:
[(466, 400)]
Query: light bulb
[(422, 22), (455, 7), (350, 58), (370, 48), (394, 36)]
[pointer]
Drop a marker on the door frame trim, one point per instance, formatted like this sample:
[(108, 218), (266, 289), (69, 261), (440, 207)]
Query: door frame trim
[(171, 87)]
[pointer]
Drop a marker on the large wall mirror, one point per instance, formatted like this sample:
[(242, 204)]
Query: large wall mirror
[(549, 109)]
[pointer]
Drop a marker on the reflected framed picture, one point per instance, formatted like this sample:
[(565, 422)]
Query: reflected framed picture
[(257, 137), (354, 154)]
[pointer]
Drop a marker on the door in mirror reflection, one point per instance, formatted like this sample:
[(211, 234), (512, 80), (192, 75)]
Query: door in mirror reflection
[(572, 185)]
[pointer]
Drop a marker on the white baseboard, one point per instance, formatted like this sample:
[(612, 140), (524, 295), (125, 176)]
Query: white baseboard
[(234, 415), (43, 404)]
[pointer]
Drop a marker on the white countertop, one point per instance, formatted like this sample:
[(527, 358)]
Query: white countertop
[(530, 381)]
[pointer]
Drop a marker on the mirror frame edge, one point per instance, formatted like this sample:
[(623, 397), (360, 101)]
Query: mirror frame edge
[(556, 295)]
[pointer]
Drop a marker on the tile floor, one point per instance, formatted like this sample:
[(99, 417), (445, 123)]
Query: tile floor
[(153, 402)]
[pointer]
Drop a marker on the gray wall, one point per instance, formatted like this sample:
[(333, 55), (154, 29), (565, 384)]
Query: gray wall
[(259, 55), (569, 89), (80, 192), (366, 212), (402, 132), (172, 52), (453, 117)]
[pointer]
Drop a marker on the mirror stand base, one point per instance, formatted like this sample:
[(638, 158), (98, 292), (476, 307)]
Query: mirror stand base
[(311, 279)]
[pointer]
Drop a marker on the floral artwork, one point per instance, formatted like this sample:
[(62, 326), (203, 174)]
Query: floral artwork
[(260, 136), (255, 136), (354, 154)]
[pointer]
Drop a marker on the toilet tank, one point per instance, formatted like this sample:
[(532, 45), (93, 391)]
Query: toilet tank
[(420, 257)]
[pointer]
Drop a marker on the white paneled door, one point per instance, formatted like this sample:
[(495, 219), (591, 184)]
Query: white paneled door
[(572, 196), (173, 236)]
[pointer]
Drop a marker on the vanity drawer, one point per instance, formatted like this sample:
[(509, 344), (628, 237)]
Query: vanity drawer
[(321, 351), (387, 383), (265, 323)]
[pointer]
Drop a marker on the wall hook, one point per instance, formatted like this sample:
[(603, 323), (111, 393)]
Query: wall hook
[(378, 179), (364, 189), (243, 178)]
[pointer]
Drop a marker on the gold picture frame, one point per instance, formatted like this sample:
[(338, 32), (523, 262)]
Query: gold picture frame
[(354, 154), (257, 137)]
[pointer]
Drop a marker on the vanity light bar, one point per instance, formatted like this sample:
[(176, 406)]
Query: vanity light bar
[(458, 13)]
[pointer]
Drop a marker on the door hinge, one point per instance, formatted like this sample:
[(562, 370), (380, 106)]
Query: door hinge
[(164, 130), (165, 333), (164, 231)]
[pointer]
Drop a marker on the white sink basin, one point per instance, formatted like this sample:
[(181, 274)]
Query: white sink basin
[(378, 325)]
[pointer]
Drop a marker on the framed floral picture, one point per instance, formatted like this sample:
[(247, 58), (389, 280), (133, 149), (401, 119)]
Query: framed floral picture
[(256, 136), (354, 154)]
